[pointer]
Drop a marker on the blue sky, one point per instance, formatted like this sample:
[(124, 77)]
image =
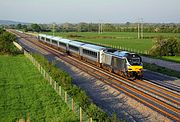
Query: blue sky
[(74, 11)]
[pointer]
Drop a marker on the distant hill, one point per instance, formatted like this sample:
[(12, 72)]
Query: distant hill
[(9, 22)]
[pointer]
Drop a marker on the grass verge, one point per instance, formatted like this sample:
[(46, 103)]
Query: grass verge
[(25, 94), (162, 70), (172, 58)]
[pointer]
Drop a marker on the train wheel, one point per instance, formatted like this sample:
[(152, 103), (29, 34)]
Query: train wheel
[(98, 64), (110, 69), (132, 78)]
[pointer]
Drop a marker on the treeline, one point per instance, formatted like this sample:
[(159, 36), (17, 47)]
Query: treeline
[(95, 27), (63, 79), (6, 43)]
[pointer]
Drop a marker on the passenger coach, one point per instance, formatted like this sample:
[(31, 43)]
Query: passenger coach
[(74, 48), (92, 53)]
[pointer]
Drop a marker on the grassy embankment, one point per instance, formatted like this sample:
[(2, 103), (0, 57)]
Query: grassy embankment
[(25, 94)]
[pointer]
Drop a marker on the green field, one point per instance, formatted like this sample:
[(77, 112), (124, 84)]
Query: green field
[(172, 58), (25, 94), (114, 34)]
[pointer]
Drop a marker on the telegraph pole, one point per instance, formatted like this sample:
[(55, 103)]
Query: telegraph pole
[(101, 28), (138, 31), (142, 28), (53, 28)]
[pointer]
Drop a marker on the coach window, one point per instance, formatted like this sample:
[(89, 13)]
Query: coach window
[(62, 44), (54, 42), (90, 53), (48, 40), (73, 47), (42, 38)]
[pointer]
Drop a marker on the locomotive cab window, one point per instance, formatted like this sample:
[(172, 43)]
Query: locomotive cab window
[(134, 59)]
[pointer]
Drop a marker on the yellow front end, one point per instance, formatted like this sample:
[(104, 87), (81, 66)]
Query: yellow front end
[(135, 71), (135, 68)]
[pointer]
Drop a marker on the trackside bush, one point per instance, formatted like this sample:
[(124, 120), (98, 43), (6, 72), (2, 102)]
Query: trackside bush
[(6, 43), (165, 47), (63, 79)]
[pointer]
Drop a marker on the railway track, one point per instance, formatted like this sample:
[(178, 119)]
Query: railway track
[(170, 86), (158, 98)]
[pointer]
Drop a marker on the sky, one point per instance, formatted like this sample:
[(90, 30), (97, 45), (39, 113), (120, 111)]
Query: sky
[(75, 11)]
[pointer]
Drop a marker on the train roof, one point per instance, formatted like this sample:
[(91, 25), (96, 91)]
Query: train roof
[(92, 47), (42, 35), (56, 38), (64, 40), (49, 37), (122, 53), (75, 43)]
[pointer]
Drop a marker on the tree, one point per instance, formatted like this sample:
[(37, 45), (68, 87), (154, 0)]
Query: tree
[(6, 45), (19, 26), (36, 27), (173, 47), (165, 47)]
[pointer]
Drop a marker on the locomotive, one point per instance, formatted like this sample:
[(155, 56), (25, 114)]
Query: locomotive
[(123, 63)]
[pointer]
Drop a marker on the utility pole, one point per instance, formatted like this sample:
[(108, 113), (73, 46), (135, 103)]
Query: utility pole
[(142, 28), (53, 28), (138, 31), (100, 27)]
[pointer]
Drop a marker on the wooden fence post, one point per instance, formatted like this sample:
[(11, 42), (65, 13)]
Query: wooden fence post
[(65, 96), (60, 90), (72, 104), (41, 71), (44, 73), (50, 80), (90, 119), (55, 85), (80, 114)]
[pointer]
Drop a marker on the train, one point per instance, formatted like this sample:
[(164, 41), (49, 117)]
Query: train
[(123, 63)]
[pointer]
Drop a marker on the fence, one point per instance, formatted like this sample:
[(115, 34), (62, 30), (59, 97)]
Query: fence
[(74, 106)]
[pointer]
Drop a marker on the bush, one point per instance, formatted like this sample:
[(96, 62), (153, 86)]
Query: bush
[(165, 47), (6, 43)]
